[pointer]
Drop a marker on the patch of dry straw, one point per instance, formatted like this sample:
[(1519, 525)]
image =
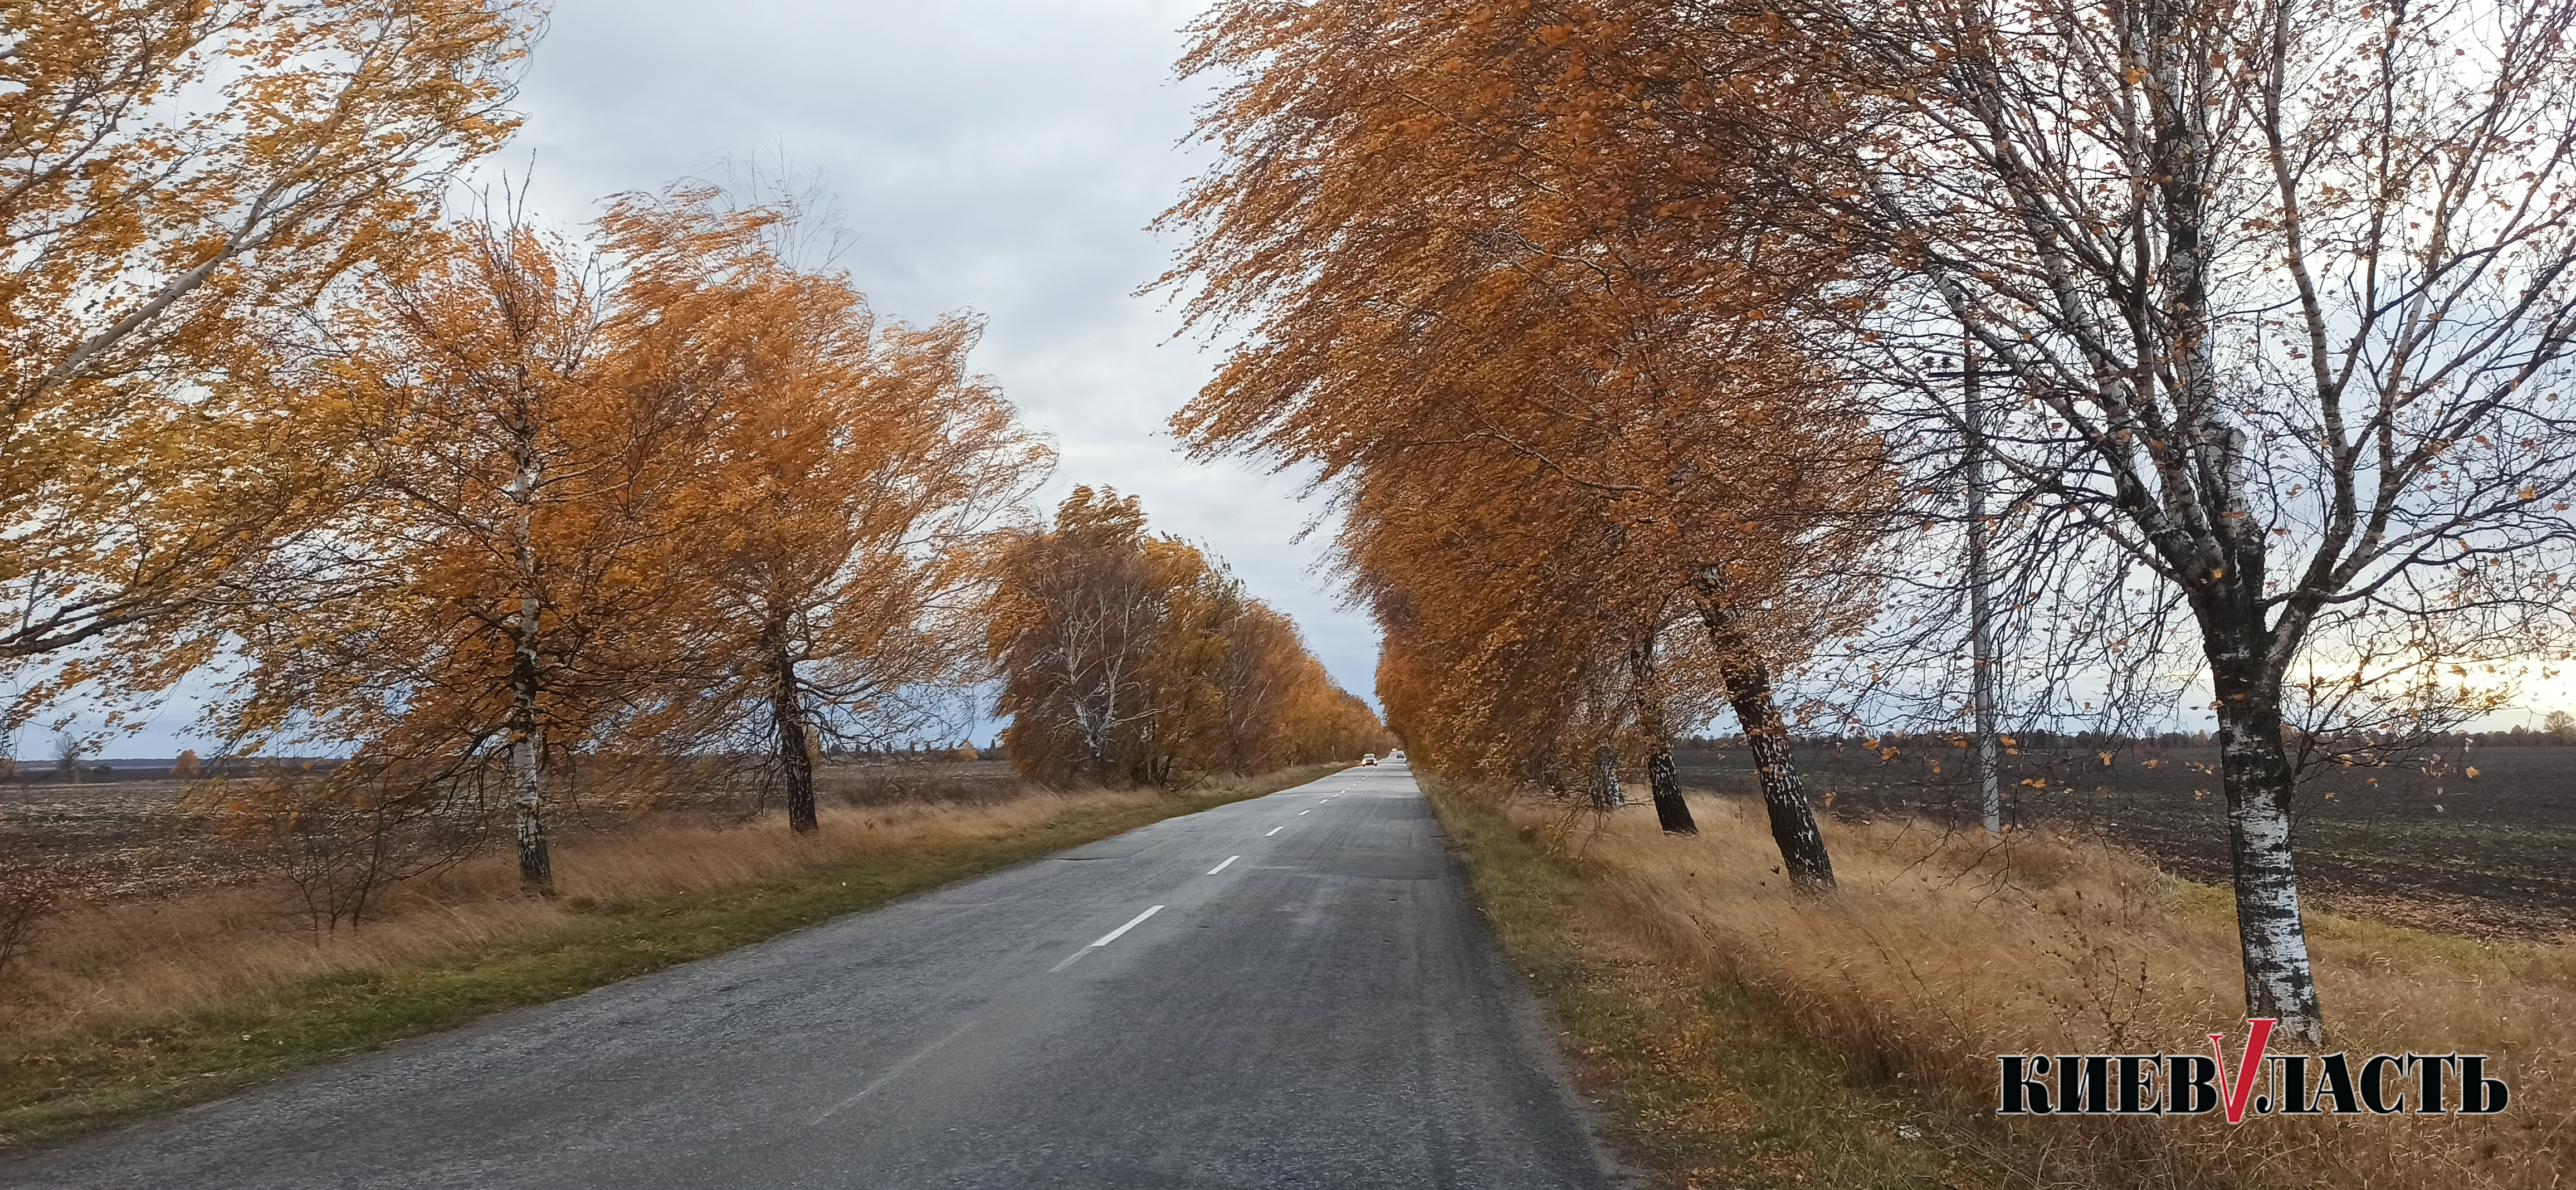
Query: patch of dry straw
[(1940, 951), (111, 966)]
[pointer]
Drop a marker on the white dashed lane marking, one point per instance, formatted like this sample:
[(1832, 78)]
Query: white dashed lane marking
[(1105, 939)]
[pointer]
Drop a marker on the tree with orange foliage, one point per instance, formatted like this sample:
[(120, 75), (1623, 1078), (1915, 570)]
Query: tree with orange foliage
[(848, 479), (1108, 643), (504, 586), (180, 180), (1515, 287), (1126, 657), (1281, 708)]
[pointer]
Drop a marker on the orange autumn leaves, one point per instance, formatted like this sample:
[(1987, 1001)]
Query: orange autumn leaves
[(180, 180), (1127, 658), (1508, 272), (660, 508), (660, 493), (488, 510)]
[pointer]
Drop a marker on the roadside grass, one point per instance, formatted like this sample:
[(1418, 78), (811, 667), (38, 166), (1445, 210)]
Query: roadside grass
[(1701, 1085), (1745, 1036), (135, 1008), (2419, 844)]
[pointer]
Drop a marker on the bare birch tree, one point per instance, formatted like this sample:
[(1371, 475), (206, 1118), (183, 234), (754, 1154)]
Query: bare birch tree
[(2283, 289)]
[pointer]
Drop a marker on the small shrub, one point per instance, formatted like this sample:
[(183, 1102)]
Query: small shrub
[(338, 839), (27, 894)]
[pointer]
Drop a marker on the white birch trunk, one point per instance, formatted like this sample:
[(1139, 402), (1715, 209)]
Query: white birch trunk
[(1606, 794), (1748, 690), (2254, 767), (527, 739)]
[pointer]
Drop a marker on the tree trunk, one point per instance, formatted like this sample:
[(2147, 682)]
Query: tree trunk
[(795, 737), (2255, 770), (1606, 794), (1671, 810), (536, 867), (1097, 733), (527, 741), (527, 754), (527, 764), (2236, 631), (1748, 690)]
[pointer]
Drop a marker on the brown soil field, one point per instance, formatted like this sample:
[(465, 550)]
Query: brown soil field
[(108, 838), (2422, 844), (125, 837)]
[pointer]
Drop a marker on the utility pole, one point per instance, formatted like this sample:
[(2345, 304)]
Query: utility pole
[(1981, 636)]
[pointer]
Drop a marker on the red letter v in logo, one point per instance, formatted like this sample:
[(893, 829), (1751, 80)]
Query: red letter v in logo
[(2239, 1088)]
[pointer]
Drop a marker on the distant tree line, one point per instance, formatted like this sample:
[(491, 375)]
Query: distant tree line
[(1128, 659)]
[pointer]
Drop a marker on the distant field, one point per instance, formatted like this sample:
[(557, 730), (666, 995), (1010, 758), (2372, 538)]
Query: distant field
[(108, 837), (119, 836), (2424, 845)]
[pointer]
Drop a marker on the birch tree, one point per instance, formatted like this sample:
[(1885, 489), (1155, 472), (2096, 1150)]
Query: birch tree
[(1127, 658), (850, 477), (1280, 706), (1092, 629), (502, 587), (2284, 291), (180, 179)]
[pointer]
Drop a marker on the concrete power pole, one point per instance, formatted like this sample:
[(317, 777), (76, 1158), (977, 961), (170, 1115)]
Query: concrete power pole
[(1981, 635)]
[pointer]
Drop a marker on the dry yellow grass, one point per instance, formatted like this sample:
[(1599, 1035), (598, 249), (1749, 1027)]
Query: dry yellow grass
[(119, 966), (1938, 953)]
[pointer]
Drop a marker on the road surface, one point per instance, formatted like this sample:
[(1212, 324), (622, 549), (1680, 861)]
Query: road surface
[(1290, 991)]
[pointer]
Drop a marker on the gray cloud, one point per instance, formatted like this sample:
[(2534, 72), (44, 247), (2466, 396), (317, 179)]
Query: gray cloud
[(999, 156), (1003, 156)]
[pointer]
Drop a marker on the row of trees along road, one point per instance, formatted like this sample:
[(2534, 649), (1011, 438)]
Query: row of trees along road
[(660, 496), (1618, 333), (1127, 658), (499, 513)]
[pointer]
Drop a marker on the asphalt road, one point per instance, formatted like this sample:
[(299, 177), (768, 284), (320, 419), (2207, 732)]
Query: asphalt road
[(1289, 991)]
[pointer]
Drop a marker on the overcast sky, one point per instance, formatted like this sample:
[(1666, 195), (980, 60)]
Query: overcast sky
[(1000, 156)]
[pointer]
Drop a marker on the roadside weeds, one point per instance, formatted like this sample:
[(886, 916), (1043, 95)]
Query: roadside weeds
[(1699, 1087), (1747, 1037)]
